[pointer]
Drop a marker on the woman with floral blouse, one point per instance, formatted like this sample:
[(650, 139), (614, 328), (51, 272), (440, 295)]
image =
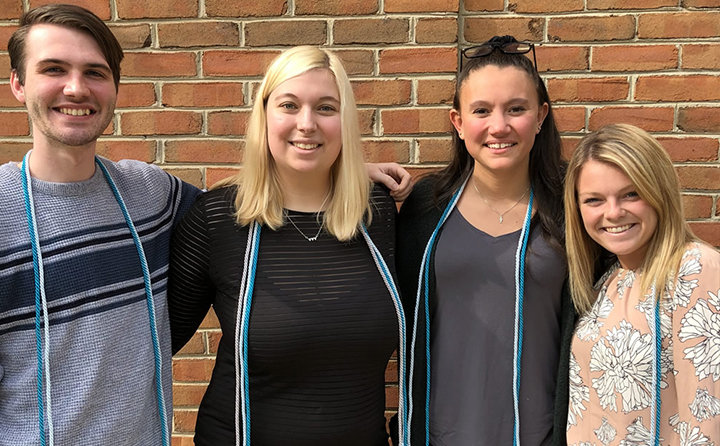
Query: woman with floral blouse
[(645, 358)]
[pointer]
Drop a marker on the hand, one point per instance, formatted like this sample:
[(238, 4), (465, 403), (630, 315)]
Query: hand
[(393, 176)]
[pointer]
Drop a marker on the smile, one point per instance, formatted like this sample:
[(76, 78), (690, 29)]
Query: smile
[(305, 146), (503, 145), (75, 111), (618, 229)]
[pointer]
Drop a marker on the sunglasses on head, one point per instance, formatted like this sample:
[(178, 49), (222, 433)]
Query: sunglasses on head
[(486, 49)]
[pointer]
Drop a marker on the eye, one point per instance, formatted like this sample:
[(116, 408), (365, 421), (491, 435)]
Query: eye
[(632, 195), (481, 111), (517, 109), (95, 73), (327, 108), (53, 70), (288, 106), (591, 200)]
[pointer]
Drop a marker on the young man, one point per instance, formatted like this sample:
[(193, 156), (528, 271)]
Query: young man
[(100, 371)]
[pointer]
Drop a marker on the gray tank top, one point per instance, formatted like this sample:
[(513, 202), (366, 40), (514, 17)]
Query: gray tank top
[(472, 337)]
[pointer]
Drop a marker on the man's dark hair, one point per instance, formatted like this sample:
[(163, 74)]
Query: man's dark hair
[(68, 16)]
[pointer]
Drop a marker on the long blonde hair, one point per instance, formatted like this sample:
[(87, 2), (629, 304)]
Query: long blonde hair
[(259, 194), (645, 162)]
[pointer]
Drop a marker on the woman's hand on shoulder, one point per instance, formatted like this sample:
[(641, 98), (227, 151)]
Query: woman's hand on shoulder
[(393, 176)]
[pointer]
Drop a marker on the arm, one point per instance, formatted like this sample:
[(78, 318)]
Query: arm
[(190, 291), (393, 176), (696, 341)]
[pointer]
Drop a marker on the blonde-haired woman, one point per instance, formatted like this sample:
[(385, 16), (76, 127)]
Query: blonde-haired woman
[(645, 358), (295, 254)]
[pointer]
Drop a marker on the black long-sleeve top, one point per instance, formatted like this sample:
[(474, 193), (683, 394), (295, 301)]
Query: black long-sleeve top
[(322, 325)]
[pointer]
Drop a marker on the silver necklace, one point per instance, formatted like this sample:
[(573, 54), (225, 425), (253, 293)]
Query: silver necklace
[(317, 218), (500, 214)]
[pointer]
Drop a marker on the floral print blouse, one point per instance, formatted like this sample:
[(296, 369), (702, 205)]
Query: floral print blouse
[(613, 351)]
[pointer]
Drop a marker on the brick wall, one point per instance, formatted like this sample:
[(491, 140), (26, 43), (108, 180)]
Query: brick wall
[(191, 67)]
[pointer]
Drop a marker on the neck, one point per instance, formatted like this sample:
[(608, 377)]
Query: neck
[(501, 185), (306, 193), (62, 165)]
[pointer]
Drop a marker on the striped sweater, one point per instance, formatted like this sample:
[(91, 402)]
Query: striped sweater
[(101, 355)]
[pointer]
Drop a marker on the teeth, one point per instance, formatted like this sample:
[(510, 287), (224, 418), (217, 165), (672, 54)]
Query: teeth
[(500, 146), (306, 146), (617, 229), (75, 111)]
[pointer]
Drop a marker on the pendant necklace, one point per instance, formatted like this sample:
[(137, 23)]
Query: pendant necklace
[(317, 218), (500, 214)]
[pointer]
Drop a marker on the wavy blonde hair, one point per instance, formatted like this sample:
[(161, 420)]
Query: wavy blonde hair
[(259, 193), (647, 164)]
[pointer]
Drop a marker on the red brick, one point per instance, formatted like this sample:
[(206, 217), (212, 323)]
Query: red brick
[(418, 120), (655, 119), (7, 98), (182, 440), (435, 91), (600, 89), (480, 29), (585, 29), (418, 60), (546, 6), (386, 151), (484, 5), (110, 129), (234, 8), (198, 34), (227, 122), (188, 394), (436, 30), (367, 121), (354, 31), (562, 58), (288, 33), (422, 6), (13, 151), (192, 369), (699, 119), (357, 61), (671, 24), (237, 63), (205, 94), (709, 232), (391, 397), (569, 119), (191, 176), (569, 143), (116, 150), (701, 56), (158, 65), (391, 372), (14, 124), (136, 95), (624, 4), (161, 123), (336, 7), (634, 58), (5, 33), (690, 149), (100, 8), (697, 206), (195, 346), (701, 3), (4, 66), (132, 36), (677, 88), (215, 336), (184, 420), (435, 150), (132, 9), (382, 92), (210, 320), (212, 176), (204, 151), (699, 177), (11, 9)]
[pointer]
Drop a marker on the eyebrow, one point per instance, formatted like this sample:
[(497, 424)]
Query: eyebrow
[(321, 99), (511, 101), (65, 63)]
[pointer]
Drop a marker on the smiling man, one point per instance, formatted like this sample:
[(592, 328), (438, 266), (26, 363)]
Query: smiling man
[(84, 336)]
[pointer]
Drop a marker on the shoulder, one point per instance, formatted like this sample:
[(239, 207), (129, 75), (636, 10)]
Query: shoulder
[(422, 202), (698, 257), (380, 199)]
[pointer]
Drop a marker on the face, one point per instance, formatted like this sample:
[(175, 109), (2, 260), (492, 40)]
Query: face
[(613, 213), (69, 90), (499, 117), (303, 123)]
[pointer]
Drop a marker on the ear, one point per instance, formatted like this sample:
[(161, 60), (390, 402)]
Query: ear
[(456, 120), (542, 114), (18, 89)]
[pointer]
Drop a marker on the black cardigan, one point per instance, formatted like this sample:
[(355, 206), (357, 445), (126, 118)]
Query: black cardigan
[(417, 220)]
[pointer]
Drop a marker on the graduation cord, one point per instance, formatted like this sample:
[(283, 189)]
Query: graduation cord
[(41, 300), (242, 323), (655, 403)]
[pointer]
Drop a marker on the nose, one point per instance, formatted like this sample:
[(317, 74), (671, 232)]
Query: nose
[(614, 210), (498, 123), (76, 86), (306, 120)]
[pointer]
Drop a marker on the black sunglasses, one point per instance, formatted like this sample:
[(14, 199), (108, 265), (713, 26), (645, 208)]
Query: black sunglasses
[(486, 49)]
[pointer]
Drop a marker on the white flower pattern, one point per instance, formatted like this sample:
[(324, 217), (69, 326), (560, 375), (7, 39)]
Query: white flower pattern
[(638, 434), (704, 406), (588, 328), (701, 322), (578, 393), (605, 433)]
